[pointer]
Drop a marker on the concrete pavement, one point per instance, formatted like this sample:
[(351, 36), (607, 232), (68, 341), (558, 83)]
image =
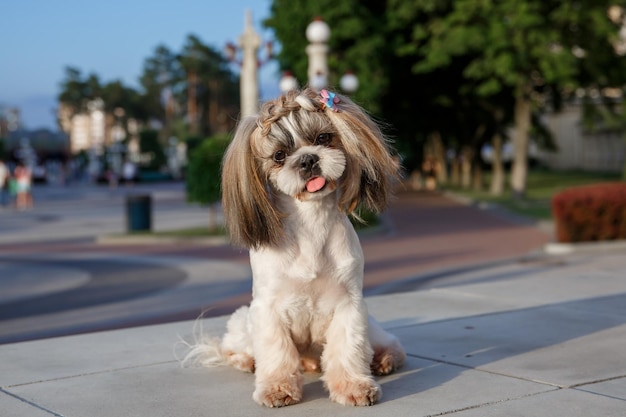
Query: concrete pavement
[(500, 334)]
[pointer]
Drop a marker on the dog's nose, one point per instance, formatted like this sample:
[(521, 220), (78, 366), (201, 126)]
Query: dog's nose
[(307, 162)]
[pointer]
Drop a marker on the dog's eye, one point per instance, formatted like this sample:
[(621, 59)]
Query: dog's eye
[(324, 139), (280, 156)]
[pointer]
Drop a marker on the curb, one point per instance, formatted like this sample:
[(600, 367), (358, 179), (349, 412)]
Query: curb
[(584, 247)]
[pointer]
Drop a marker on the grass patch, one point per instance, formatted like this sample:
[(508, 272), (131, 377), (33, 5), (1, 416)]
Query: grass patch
[(542, 185), (192, 232)]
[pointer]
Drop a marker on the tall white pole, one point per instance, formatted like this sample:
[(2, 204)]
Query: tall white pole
[(317, 33), (249, 42)]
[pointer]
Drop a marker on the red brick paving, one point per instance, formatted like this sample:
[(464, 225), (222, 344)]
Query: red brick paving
[(430, 231)]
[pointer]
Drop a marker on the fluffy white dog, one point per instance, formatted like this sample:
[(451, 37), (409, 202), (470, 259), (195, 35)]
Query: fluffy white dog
[(290, 177)]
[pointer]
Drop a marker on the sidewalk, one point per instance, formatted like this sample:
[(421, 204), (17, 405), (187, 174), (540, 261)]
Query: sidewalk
[(543, 335)]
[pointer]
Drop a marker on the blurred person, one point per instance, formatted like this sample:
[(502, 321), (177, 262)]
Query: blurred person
[(430, 168), (111, 177), (129, 171), (23, 183), (4, 183)]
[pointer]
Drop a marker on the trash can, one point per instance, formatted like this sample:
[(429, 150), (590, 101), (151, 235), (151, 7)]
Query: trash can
[(138, 213)]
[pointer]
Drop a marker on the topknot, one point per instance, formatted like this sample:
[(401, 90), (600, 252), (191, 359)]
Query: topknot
[(291, 101)]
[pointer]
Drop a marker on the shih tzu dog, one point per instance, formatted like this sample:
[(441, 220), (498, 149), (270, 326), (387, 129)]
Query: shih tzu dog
[(290, 177)]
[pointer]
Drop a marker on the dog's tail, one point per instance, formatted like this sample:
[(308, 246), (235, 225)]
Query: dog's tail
[(208, 351), (203, 350)]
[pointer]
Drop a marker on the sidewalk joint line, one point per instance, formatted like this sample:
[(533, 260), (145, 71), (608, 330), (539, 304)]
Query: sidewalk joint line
[(42, 381), (32, 404), (488, 404), (598, 381), (483, 370)]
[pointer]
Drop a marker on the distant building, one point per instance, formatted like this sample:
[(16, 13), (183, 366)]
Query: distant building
[(94, 130), (601, 149), (9, 120)]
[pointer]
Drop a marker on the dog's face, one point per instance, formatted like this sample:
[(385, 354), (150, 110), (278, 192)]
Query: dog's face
[(302, 156), (303, 146)]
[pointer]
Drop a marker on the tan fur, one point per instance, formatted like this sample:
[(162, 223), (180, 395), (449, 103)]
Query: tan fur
[(290, 177), (367, 181)]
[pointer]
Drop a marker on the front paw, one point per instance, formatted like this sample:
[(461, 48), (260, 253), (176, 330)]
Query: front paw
[(361, 392), (279, 394)]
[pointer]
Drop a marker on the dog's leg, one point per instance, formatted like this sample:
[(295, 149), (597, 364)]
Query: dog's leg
[(236, 346), (388, 352), (278, 376), (347, 357)]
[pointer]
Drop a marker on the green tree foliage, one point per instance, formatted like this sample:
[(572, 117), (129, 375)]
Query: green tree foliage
[(536, 49), (203, 177), (462, 70), (357, 42), (77, 90), (212, 90), (149, 144), (160, 72)]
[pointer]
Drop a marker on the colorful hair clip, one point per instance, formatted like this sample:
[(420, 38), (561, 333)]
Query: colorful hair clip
[(329, 100)]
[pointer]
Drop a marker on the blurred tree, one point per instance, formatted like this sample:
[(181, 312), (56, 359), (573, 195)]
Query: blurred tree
[(160, 73), (76, 91), (211, 88), (459, 70), (197, 79), (203, 174), (374, 39), (357, 42), (531, 47), (150, 145)]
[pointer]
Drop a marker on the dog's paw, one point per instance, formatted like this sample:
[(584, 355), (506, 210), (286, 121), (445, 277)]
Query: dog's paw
[(361, 392), (279, 394), (386, 361), (241, 361)]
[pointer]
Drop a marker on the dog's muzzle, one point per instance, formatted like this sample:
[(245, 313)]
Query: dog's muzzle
[(310, 166)]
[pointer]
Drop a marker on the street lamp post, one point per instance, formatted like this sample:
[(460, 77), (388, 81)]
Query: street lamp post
[(249, 44), (317, 33)]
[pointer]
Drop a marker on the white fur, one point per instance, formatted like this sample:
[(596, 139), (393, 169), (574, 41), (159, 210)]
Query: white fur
[(308, 310)]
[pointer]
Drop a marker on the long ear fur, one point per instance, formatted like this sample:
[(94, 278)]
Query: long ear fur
[(371, 169), (249, 214)]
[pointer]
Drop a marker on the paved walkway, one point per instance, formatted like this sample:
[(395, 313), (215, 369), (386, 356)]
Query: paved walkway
[(493, 326)]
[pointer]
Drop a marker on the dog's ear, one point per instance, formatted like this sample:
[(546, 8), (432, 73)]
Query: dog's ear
[(371, 169), (250, 217)]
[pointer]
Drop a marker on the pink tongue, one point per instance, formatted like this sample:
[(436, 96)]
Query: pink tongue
[(315, 184)]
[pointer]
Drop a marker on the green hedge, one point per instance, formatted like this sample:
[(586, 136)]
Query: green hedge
[(590, 213), (204, 170)]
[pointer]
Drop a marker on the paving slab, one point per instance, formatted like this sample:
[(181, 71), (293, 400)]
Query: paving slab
[(559, 278), (67, 357), (563, 345), (615, 388), (561, 403), (16, 407), (405, 309), (422, 388)]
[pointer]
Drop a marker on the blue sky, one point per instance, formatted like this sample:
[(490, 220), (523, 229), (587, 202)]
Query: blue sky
[(112, 38)]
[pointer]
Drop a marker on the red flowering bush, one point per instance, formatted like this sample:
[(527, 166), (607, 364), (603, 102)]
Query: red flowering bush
[(590, 213)]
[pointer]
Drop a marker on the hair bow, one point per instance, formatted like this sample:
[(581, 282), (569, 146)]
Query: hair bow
[(329, 100)]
